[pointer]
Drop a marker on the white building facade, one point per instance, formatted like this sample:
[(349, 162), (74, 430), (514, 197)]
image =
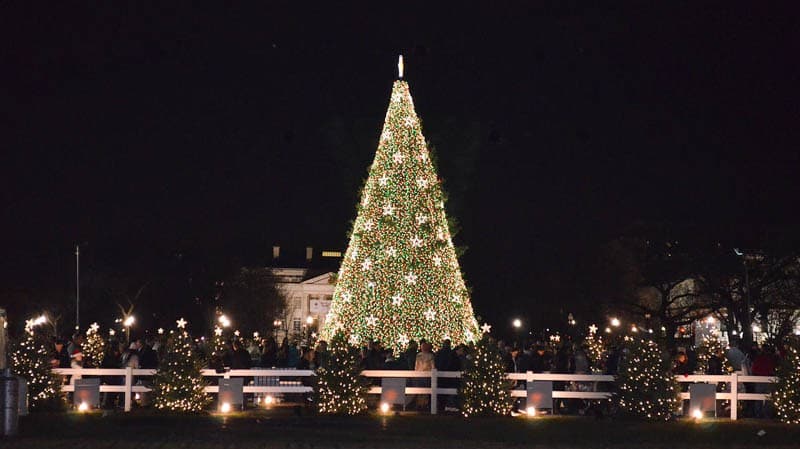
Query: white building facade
[(308, 299)]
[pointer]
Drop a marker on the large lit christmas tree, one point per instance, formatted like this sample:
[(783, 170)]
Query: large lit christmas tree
[(178, 384), (400, 278), (646, 387), (786, 396)]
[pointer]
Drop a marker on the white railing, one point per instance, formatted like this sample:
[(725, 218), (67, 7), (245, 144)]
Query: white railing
[(129, 389)]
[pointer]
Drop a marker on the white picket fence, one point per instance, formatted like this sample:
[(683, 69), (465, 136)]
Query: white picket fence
[(589, 382)]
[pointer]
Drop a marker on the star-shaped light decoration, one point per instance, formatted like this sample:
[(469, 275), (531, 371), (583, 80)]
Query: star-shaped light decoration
[(422, 156), (592, 329), (353, 254), (383, 180), (160, 331), (440, 234), (422, 183), (397, 300), (437, 261), (421, 219), (411, 278), (398, 157), (346, 296), (386, 135), (372, 320), (403, 340), (468, 335), (416, 242), (338, 326), (236, 332), (354, 339), (391, 251), (313, 335), (366, 264), (456, 298), (111, 332), (430, 315), (365, 200), (367, 225), (486, 328), (409, 121), (370, 284), (217, 331), (94, 327), (181, 323), (388, 209)]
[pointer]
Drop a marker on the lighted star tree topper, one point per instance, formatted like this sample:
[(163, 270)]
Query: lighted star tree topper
[(400, 278)]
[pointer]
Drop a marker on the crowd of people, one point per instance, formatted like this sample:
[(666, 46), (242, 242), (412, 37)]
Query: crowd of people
[(565, 357)]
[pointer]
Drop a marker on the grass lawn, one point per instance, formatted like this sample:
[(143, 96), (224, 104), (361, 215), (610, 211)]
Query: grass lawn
[(281, 428)]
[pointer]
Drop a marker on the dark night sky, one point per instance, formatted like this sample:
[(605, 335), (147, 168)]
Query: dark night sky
[(150, 131)]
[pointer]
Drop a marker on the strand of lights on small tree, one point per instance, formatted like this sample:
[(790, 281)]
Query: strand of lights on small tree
[(786, 396), (178, 384)]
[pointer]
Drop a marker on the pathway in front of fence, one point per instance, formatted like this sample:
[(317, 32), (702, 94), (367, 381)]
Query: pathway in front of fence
[(281, 428)]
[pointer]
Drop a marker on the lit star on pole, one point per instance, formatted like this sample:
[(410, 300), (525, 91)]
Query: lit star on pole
[(217, 331), (486, 328), (372, 320), (236, 332), (94, 327), (181, 323), (592, 329)]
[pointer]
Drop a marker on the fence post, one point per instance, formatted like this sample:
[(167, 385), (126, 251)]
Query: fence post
[(434, 385), (128, 387), (734, 396)]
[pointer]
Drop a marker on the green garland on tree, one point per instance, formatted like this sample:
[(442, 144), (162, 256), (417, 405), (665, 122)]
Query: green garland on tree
[(178, 384), (485, 389), (340, 388), (646, 387), (31, 360), (786, 396)]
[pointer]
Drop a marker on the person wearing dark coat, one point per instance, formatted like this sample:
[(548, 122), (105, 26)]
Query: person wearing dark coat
[(240, 358)]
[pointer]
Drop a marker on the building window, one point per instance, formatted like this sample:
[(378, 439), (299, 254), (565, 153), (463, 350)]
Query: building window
[(296, 325)]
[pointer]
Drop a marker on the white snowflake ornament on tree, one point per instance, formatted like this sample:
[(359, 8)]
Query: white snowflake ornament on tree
[(372, 320)]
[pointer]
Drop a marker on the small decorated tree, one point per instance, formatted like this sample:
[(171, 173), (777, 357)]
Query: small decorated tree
[(485, 390), (786, 396), (94, 347), (595, 348), (340, 388), (646, 387), (31, 360), (178, 384), (712, 346)]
